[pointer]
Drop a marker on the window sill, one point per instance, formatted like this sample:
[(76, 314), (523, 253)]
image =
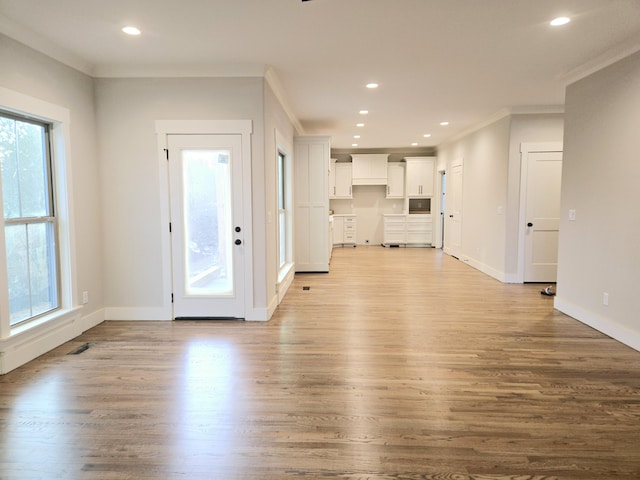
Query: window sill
[(44, 323)]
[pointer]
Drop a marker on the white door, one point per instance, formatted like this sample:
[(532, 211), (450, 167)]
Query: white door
[(205, 182), (542, 216), (454, 232)]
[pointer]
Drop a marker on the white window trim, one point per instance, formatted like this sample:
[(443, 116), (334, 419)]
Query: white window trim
[(11, 337)]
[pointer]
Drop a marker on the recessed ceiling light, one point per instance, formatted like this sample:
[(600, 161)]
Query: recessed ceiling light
[(356, 136), (364, 112), (354, 144), (556, 22), (426, 135), (372, 85), (131, 30), (359, 124), (444, 124), (414, 144)]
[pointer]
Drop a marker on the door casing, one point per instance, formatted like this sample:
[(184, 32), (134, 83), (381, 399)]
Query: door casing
[(206, 127)]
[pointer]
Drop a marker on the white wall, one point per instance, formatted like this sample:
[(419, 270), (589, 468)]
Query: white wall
[(599, 252), (524, 129), (486, 158), (130, 171)]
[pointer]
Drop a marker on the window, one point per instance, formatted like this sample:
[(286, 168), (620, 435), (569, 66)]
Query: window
[(30, 231), (282, 211)]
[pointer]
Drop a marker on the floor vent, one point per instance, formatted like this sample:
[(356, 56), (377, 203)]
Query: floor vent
[(80, 349), (306, 288)]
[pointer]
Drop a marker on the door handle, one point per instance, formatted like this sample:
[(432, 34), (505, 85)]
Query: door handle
[(238, 242), (450, 216), (238, 229), (529, 224)]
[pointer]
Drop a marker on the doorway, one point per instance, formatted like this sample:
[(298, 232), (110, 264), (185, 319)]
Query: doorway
[(207, 271), (540, 211)]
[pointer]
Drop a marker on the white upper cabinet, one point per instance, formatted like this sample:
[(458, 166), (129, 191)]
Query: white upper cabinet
[(370, 169), (340, 180), (420, 176), (395, 179)]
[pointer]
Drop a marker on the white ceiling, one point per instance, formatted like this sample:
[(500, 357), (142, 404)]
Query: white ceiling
[(462, 61)]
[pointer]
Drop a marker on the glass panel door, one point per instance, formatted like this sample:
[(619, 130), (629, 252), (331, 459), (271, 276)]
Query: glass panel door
[(205, 181)]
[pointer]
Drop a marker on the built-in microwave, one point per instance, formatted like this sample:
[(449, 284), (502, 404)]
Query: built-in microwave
[(419, 205)]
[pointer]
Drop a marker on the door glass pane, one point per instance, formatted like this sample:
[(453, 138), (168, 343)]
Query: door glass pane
[(208, 261)]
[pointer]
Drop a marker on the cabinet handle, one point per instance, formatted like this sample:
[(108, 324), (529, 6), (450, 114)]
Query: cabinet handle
[(334, 191), (388, 189)]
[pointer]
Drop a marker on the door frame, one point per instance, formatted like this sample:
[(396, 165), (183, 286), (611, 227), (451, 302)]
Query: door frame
[(244, 128), (525, 150)]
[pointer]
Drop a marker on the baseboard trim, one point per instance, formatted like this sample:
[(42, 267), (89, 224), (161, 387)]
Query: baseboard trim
[(133, 313), (605, 325), (29, 344), (92, 320)]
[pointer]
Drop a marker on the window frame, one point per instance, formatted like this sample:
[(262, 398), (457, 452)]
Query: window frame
[(49, 219), (59, 122)]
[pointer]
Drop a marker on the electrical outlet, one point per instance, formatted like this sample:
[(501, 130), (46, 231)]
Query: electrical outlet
[(605, 299), (85, 297)]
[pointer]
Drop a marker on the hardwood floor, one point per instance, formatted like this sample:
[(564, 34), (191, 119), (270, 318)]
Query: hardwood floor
[(399, 364)]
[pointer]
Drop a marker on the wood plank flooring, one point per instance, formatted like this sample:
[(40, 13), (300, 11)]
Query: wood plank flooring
[(399, 364)]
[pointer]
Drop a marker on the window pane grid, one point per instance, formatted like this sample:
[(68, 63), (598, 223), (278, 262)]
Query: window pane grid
[(30, 225)]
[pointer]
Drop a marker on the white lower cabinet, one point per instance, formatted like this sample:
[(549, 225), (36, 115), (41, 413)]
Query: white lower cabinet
[(344, 229), (409, 230)]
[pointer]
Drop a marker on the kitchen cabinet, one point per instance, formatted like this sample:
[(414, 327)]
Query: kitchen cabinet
[(369, 169), (420, 176), (340, 176), (311, 204), (344, 230), (408, 230), (395, 179), (419, 230)]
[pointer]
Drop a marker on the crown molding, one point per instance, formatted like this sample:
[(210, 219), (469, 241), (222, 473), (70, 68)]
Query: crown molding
[(611, 56), (274, 82)]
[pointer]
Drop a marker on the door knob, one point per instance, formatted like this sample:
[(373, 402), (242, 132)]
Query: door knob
[(529, 224), (450, 216), (238, 229), (238, 241)]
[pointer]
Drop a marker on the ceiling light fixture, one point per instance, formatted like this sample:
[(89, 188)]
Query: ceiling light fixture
[(444, 124), (556, 22), (364, 112), (354, 144), (372, 85), (426, 135), (414, 144), (131, 30), (359, 124), (356, 136)]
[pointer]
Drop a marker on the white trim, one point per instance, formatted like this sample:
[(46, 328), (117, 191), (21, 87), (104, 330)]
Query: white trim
[(136, 313), (199, 127), (93, 319), (525, 150), (193, 70), (611, 56), (486, 269), (37, 338), (40, 335), (43, 45), (285, 280), (604, 325), (278, 90), (499, 115)]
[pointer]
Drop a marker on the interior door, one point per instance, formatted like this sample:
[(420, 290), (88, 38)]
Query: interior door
[(454, 232), (542, 216), (205, 182)]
